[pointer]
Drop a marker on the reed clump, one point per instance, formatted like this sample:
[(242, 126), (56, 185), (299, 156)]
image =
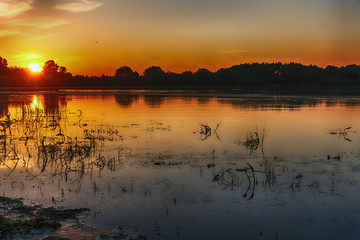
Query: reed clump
[(342, 133), (206, 131), (253, 140), (37, 136)]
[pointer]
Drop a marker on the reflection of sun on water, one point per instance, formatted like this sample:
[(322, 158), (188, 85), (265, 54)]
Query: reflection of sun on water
[(36, 104)]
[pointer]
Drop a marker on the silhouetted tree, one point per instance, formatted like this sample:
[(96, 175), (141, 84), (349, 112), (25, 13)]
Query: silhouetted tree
[(3, 63), (50, 67), (206, 77), (127, 76), (4, 70), (54, 75), (12, 76), (155, 75), (63, 70), (153, 70), (125, 72), (254, 74)]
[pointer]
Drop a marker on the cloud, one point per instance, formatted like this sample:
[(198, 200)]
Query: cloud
[(9, 8), (26, 56), (79, 6), (40, 23), (4, 33)]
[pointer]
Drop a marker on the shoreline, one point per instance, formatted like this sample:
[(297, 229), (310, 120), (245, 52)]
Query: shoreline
[(207, 90)]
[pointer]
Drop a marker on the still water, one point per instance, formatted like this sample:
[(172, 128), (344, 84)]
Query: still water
[(177, 165)]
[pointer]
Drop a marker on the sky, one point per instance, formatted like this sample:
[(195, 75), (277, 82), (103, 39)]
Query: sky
[(94, 37)]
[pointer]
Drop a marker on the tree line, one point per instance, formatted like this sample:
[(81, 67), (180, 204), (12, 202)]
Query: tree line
[(254, 74)]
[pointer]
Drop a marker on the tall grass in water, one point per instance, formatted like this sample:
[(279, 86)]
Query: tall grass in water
[(31, 135)]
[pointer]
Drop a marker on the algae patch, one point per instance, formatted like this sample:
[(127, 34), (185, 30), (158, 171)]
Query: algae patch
[(16, 218)]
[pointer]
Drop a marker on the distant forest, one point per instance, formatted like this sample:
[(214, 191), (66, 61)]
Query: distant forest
[(242, 75)]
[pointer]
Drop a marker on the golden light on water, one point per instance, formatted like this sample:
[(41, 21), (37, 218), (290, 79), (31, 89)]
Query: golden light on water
[(36, 103)]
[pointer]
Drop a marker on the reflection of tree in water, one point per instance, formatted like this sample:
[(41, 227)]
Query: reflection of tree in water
[(125, 100), (4, 104), (53, 102), (203, 100), (348, 102), (271, 103), (153, 101), (286, 103)]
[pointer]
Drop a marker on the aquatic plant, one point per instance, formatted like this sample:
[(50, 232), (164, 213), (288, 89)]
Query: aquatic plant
[(32, 133), (18, 219), (229, 177), (206, 131), (342, 133), (253, 140)]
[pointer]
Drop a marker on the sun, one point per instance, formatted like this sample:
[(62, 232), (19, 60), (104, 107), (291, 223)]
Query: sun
[(35, 67)]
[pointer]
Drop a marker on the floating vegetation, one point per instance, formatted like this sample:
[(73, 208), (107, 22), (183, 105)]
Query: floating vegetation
[(17, 219), (206, 131), (149, 126), (253, 140), (226, 177), (20, 221), (337, 157), (251, 181), (342, 133), (211, 165), (314, 185), (269, 171), (296, 184), (231, 178)]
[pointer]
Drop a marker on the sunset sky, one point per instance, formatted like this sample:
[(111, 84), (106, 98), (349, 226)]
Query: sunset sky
[(95, 37)]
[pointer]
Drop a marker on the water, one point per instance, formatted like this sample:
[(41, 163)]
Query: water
[(270, 167)]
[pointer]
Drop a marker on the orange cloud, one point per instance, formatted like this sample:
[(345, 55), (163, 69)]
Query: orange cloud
[(12, 8), (79, 6), (43, 23), (4, 33)]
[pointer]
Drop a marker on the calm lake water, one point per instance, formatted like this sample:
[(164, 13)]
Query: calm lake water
[(179, 165)]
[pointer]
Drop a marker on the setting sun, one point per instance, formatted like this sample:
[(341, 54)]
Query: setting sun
[(35, 67)]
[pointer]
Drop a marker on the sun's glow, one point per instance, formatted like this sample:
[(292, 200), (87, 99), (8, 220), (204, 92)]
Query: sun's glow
[(35, 67)]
